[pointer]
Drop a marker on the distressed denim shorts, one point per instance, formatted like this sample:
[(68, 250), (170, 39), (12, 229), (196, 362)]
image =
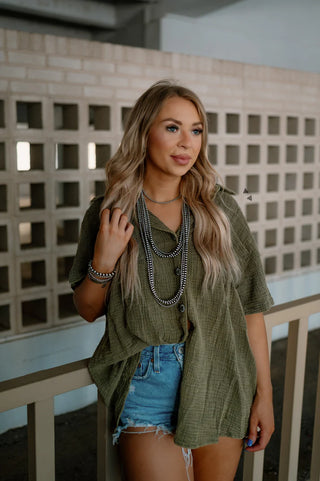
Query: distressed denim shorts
[(154, 391)]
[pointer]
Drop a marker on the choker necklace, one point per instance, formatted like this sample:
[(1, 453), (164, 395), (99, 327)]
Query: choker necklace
[(149, 247), (163, 202)]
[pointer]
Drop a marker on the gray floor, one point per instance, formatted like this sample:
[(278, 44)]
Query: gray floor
[(76, 432)]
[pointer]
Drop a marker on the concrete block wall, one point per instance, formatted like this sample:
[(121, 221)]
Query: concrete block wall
[(62, 106)]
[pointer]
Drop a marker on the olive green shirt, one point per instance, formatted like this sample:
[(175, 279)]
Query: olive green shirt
[(219, 374)]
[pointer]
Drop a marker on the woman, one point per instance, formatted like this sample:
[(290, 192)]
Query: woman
[(168, 257)]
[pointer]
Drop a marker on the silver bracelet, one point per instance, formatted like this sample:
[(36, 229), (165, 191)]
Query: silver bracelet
[(99, 280), (103, 276)]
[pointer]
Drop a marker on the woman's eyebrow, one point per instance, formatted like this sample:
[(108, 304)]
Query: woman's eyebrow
[(178, 121)]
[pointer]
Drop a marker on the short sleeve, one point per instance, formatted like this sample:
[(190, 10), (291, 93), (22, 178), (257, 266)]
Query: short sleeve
[(251, 287), (88, 233)]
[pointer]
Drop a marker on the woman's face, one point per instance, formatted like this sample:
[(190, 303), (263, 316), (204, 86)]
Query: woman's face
[(174, 140)]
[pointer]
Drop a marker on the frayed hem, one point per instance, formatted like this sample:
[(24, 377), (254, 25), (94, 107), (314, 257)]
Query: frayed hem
[(159, 430)]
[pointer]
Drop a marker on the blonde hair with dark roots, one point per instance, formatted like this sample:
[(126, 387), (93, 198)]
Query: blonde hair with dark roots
[(124, 183)]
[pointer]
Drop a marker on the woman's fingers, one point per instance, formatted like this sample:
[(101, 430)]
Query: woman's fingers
[(113, 236)]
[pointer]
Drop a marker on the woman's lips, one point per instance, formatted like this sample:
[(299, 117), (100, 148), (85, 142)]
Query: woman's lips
[(181, 159)]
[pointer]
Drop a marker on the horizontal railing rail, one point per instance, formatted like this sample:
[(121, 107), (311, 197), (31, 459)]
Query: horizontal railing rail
[(37, 391)]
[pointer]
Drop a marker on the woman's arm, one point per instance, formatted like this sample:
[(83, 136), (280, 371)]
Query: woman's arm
[(262, 408), (113, 236)]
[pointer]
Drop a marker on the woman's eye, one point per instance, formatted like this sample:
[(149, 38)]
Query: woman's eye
[(172, 128), (197, 131)]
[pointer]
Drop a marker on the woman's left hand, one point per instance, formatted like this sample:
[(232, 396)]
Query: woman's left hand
[(261, 425)]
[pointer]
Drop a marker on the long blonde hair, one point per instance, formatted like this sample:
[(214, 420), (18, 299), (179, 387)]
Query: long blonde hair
[(124, 183)]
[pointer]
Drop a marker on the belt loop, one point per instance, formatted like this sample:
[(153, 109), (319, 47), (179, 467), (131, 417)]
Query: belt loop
[(156, 358)]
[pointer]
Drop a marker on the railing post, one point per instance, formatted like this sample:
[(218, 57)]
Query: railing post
[(292, 402), (315, 460), (253, 466), (108, 468), (41, 449)]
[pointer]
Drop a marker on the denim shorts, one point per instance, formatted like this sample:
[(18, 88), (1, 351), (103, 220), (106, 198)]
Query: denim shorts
[(154, 391)]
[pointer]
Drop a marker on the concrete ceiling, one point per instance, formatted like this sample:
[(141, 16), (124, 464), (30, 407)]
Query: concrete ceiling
[(105, 13), (130, 22)]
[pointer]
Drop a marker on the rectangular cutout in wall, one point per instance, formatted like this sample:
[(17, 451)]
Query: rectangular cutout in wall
[(307, 206), (34, 312), (2, 122), (213, 154), (253, 154), (306, 232), (308, 154), (288, 261), (67, 194), (212, 118), (98, 155), (271, 210), (252, 183), (67, 231), (2, 156), (4, 317), (273, 125), (29, 115), (4, 279), (252, 212), (99, 117), (309, 126), (232, 123), (232, 182), (232, 154), (291, 154), (64, 265), (3, 238), (308, 180), (305, 258), (254, 124), (96, 188), (270, 238), (289, 235), (31, 196), (273, 154), (292, 125), (66, 116), (290, 208), (125, 112), (290, 181), (31, 234), (66, 306), (29, 156), (270, 265), (33, 273), (66, 156), (3, 198)]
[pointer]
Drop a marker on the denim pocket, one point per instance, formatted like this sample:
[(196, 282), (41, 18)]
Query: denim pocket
[(143, 370)]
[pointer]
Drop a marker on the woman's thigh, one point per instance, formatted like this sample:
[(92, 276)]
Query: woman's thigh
[(150, 456), (217, 462)]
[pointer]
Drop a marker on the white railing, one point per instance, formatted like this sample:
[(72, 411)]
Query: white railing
[(37, 391)]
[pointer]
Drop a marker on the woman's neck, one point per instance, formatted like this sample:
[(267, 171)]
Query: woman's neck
[(161, 192)]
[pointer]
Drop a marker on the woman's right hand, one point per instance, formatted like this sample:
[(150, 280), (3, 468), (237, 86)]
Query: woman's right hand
[(112, 239)]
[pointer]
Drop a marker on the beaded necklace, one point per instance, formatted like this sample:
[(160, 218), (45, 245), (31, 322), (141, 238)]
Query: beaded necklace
[(149, 246)]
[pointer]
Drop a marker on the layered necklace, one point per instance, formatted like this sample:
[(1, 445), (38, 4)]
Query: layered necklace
[(149, 246)]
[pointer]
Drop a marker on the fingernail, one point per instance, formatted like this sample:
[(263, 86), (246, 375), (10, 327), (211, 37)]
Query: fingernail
[(249, 443)]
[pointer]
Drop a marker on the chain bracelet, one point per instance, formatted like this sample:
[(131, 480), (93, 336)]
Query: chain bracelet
[(100, 275)]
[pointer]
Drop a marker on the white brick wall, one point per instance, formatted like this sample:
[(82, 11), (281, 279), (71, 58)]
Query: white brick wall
[(43, 73)]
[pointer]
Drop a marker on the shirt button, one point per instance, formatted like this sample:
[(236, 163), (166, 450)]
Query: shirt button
[(177, 271), (182, 307)]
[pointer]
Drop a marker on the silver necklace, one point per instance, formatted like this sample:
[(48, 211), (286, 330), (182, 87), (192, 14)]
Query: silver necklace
[(162, 202), (149, 246)]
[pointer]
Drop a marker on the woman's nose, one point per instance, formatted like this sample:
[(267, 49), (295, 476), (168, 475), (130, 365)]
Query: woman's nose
[(185, 139)]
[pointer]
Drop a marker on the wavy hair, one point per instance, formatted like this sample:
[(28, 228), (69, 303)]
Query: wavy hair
[(124, 183)]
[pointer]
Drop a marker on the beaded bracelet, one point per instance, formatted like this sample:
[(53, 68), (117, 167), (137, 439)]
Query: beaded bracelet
[(99, 277)]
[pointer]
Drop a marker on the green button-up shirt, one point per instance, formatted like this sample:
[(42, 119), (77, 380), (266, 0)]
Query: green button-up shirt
[(219, 374)]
